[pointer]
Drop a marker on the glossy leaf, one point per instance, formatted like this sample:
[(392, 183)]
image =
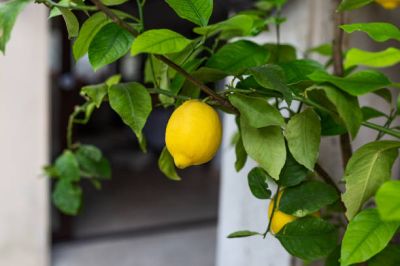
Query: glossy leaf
[(71, 22), (323, 49), (9, 12), (92, 163), (257, 179), (292, 172), (280, 53), (388, 201), (196, 11), (67, 166), (340, 104), (110, 43), (266, 146), (235, 57), (358, 83), (113, 2), (167, 166), (346, 5), (95, 93), (257, 111), (309, 238), (240, 234), (161, 41), (386, 58), (241, 155), (133, 104), (368, 168), (298, 70), (366, 235), (240, 24), (272, 77), (303, 134), (307, 198), (378, 31), (67, 197), (370, 113)]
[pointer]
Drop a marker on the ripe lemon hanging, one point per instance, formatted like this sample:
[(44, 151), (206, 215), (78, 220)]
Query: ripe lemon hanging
[(280, 218), (389, 4), (193, 133)]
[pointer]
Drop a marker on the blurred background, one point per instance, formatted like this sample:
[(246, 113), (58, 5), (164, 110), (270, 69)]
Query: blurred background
[(140, 218)]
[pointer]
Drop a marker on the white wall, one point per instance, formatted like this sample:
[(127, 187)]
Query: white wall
[(24, 142)]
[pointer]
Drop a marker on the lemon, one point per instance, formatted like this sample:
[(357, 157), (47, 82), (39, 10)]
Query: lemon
[(280, 218), (389, 4), (193, 133)]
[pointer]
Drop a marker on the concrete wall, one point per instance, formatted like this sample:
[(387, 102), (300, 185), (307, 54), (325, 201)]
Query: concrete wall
[(24, 142)]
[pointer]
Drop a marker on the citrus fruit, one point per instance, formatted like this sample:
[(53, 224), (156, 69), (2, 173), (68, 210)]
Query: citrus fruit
[(280, 219), (389, 4), (193, 133)]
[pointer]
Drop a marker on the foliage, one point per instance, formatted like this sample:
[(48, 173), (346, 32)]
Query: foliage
[(283, 106)]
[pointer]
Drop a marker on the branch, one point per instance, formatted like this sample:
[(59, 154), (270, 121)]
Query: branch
[(326, 177), (221, 100), (338, 70)]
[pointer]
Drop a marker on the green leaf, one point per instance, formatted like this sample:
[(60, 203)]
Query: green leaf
[(236, 57), (390, 256), (88, 31), (71, 21), (386, 58), (196, 11), (266, 146), (8, 15), (385, 94), (161, 41), (113, 2), (303, 134), (379, 31), (272, 77), (298, 70), (133, 104), (323, 49), (388, 201), (343, 106), (67, 197), (95, 93), (257, 111), (114, 79), (366, 235), (257, 179), (110, 43), (358, 83), (307, 198), (167, 166), (368, 168), (241, 155), (245, 233), (280, 53), (92, 162), (309, 238), (241, 25), (370, 113), (292, 172), (67, 166), (352, 4)]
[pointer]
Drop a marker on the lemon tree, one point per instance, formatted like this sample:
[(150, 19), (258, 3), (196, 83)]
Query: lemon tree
[(284, 105)]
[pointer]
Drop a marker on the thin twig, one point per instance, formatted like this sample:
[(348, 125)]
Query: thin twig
[(338, 70), (221, 100)]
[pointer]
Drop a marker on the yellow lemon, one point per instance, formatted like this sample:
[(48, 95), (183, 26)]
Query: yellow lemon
[(280, 218), (389, 4), (193, 133)]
